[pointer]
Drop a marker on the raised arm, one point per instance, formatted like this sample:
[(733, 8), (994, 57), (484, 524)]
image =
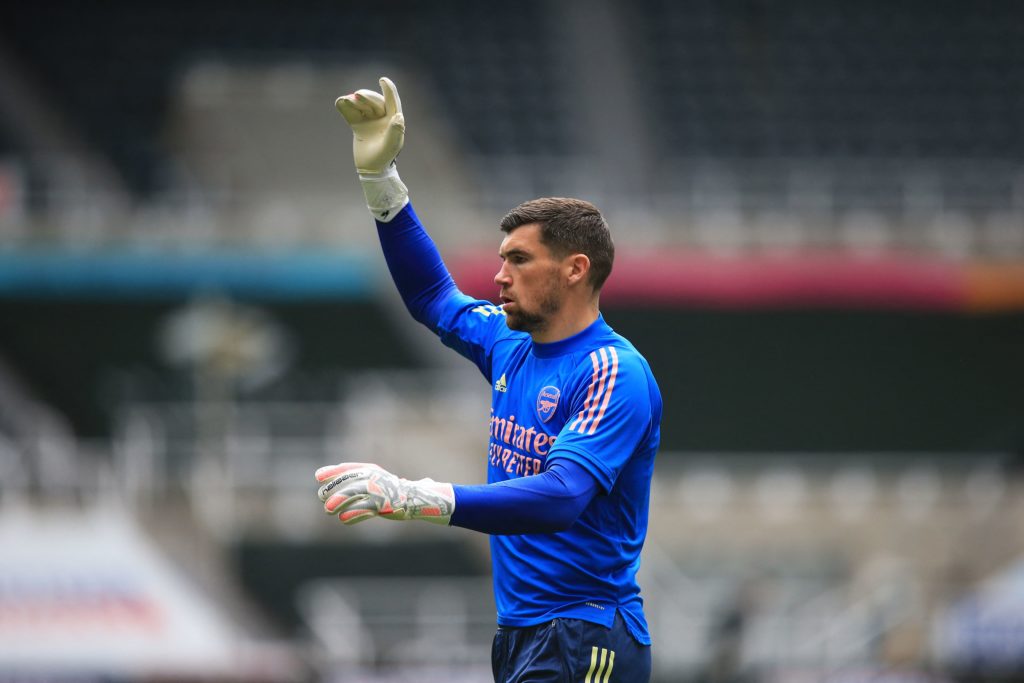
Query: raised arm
[(378, 134)]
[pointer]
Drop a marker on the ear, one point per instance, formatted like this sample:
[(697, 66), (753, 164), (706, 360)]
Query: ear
[(577, 268)]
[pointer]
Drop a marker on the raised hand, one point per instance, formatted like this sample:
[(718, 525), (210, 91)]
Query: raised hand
[(378, 126)]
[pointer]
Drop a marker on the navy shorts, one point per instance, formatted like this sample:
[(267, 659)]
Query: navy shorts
[(569, 651)]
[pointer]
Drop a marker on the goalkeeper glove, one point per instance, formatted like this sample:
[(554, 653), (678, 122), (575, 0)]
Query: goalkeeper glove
[(378, 133), (355, 491)]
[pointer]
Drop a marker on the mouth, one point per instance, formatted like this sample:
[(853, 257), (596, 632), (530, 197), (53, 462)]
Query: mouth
[(505, 301)]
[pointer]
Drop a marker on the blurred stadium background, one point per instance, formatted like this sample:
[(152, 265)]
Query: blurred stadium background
[(819, 209)]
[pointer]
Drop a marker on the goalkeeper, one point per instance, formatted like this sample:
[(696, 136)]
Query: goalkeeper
[(574, 428)]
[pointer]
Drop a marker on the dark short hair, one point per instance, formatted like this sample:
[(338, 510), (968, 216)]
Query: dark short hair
[(568, 226)]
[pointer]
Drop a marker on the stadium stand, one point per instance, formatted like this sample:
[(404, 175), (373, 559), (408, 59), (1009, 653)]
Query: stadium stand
[(827, 80), (118, 62), (818, 107)]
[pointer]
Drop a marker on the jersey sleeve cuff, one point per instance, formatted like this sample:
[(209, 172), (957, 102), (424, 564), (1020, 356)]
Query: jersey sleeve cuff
[(603, 476)]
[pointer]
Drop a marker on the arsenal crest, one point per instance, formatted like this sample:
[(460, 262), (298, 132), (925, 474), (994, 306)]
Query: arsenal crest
[(547, 401)]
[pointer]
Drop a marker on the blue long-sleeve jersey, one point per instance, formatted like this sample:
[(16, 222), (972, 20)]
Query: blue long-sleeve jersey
[(588, 402)]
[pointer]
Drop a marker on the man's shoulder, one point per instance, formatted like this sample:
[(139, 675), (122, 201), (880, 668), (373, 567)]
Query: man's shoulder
[(613, 344), (625, 364), (611, 379), (610, 357)]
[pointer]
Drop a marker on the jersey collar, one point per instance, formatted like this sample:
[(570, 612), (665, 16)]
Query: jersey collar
[(583, 339)]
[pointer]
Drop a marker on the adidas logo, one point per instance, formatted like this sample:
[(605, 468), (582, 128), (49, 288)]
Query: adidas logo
[(501, 385)]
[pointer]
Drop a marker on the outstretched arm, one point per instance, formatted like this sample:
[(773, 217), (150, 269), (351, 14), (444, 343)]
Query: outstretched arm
[(540, 504), (544, 503)]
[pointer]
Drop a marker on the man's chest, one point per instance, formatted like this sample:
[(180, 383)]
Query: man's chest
[(529, 408)]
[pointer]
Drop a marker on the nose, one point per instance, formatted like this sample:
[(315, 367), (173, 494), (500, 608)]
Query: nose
[(501, 277)]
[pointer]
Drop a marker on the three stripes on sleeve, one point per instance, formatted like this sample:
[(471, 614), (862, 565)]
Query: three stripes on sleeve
[(602, 384)]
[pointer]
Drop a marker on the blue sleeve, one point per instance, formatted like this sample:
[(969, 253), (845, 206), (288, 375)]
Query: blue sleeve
[(613, 414), (468, 326), (539, 504), (416, 267)]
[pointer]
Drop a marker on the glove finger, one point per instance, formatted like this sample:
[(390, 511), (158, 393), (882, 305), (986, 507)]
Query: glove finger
[(356, 509), (350, 517), (394, 136), (341, 501), (346, 106), (328, 472), (358, 109), (392, 102), (348, 482), (370, 102), (353, 484)]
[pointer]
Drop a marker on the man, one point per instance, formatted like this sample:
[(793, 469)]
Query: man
[(574, 428)]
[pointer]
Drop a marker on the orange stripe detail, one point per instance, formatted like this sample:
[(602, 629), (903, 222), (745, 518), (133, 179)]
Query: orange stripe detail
[(611, 387), (600, 391), (590, 392)]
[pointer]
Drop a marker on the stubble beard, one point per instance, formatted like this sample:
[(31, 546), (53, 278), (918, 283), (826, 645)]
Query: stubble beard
[(537, 320)]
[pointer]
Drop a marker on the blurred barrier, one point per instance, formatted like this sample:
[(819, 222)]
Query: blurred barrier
[(788, 279), (86, 592), (369, 627), (113, 274)]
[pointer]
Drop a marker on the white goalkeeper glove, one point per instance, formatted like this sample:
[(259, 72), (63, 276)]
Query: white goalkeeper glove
[(378, 133), (355, 491)]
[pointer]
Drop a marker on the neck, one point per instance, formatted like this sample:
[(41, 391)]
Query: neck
[(567, 322)]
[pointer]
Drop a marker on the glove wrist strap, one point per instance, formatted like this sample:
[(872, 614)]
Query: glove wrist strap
[(437, 498), (385, 193)]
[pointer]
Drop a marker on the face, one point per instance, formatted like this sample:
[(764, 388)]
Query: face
[(532, 287)]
